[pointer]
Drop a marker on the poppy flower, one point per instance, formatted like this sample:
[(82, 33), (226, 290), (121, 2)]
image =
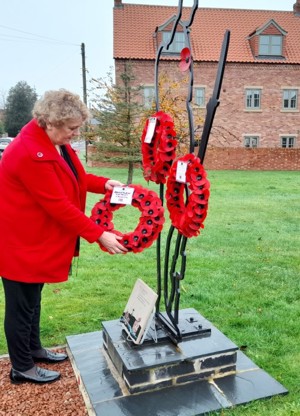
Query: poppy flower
[(151, 211), (169, 144), (199, 209), (134, 239), (199, 198), (165, 156), (145, 229), (197, 178), (159, 219), (185, 59)]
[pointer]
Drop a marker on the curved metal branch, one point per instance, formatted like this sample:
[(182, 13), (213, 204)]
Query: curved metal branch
[(173, 298), (172, 273), (214, 100)]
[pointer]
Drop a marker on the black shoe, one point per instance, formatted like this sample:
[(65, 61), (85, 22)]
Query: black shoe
[(50, 357), (41, 376)]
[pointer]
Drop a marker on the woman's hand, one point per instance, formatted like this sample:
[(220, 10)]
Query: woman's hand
[(111, 242), (111, 183)]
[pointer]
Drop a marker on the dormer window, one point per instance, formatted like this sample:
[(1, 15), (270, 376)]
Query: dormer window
[(163, 34), (270, 45), (178, 42), (268, 41)]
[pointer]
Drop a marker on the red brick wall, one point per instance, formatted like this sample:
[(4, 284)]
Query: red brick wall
[(252, 159), (217, 158), (232, 122)]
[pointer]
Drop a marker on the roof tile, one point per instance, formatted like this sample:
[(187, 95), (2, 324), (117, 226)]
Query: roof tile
[(134, 28)]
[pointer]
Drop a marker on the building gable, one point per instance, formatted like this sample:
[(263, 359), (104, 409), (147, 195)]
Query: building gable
[(163, 34), (268, 41)]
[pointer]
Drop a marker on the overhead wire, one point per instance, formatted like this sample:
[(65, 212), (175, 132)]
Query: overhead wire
[(29, 37), (41, 37)]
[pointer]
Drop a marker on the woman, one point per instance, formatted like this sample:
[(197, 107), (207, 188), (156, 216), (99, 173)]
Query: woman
[(43, 190)]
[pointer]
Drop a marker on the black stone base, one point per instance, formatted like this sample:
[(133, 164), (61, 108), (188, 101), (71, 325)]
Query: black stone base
[(163, 364), (239, 380)]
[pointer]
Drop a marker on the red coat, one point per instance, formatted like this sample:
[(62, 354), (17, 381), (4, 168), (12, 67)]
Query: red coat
[(42, 208)]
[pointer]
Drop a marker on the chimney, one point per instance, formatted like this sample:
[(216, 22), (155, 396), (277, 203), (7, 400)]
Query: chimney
[(297, 8), (118, 4)]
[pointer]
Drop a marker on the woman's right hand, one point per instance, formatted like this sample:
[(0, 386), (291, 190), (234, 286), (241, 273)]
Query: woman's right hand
[(111, 242)]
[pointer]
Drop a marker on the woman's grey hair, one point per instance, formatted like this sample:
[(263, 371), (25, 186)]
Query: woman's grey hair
[(57, 107)]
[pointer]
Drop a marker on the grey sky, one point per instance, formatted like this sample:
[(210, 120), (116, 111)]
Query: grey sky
[(40, 40)]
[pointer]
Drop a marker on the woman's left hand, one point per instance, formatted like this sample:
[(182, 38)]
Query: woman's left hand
[(111, 183)]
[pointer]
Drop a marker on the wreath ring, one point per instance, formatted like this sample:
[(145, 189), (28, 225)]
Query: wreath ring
[(150, 222), (159, 153), (188, 217)]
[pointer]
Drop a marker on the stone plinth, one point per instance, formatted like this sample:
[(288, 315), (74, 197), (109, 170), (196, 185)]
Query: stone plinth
[(163, 364)]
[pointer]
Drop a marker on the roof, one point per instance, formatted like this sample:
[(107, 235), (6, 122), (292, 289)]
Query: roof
[(134, 28)]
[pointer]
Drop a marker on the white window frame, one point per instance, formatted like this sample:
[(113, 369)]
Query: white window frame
[(178, 42), (251, 141), (252, 96), (148, 95), (288, 141), (199, 99), (288, 102), (270, 45)]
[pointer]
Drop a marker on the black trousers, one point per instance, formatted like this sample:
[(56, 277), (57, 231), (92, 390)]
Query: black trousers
[(22, 321)]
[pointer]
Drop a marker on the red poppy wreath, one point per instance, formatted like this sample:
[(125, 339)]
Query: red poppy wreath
[(158, 152), (150, 222), (188, 216)]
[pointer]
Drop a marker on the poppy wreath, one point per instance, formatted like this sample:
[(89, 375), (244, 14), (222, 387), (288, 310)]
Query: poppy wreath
[(150, 222), (188, 216), (158, 156)]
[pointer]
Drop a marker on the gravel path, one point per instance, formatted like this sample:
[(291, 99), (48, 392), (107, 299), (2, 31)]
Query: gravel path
[(62, 398)]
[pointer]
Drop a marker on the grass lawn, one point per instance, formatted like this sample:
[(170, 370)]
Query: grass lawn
[(242, 274)]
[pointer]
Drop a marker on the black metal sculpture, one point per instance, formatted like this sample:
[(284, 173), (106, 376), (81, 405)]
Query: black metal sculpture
[(170, 319)]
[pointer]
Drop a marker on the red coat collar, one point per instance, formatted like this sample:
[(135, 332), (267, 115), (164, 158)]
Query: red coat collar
[(40, 148), (37, 142)]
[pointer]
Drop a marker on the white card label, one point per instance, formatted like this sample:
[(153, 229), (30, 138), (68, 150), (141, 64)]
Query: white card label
[(150, 130), (181, 172), (122, 195)]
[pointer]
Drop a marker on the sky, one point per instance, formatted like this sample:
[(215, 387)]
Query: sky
[(40, 40)]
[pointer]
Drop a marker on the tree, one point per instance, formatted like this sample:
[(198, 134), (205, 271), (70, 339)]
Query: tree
[(2, 99), (19, 105), (118, 111), (121, 116), (172, 100), (2, 128)]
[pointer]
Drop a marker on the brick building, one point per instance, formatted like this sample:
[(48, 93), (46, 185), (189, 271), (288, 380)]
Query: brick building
[(259, 110)]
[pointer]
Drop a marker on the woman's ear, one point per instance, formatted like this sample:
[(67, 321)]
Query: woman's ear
[(49, 126)]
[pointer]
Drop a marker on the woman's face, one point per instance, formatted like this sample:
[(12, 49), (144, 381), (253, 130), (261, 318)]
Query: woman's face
[(65, 133)]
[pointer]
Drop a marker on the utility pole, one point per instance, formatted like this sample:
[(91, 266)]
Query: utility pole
[(84, 90), (83, 73)]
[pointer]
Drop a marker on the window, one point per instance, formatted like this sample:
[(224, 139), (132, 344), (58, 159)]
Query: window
[(251, 141), (270, 45), (288, 142), (253, 98), (200, 96), (149, 96), (178, 42), (290, 99)]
